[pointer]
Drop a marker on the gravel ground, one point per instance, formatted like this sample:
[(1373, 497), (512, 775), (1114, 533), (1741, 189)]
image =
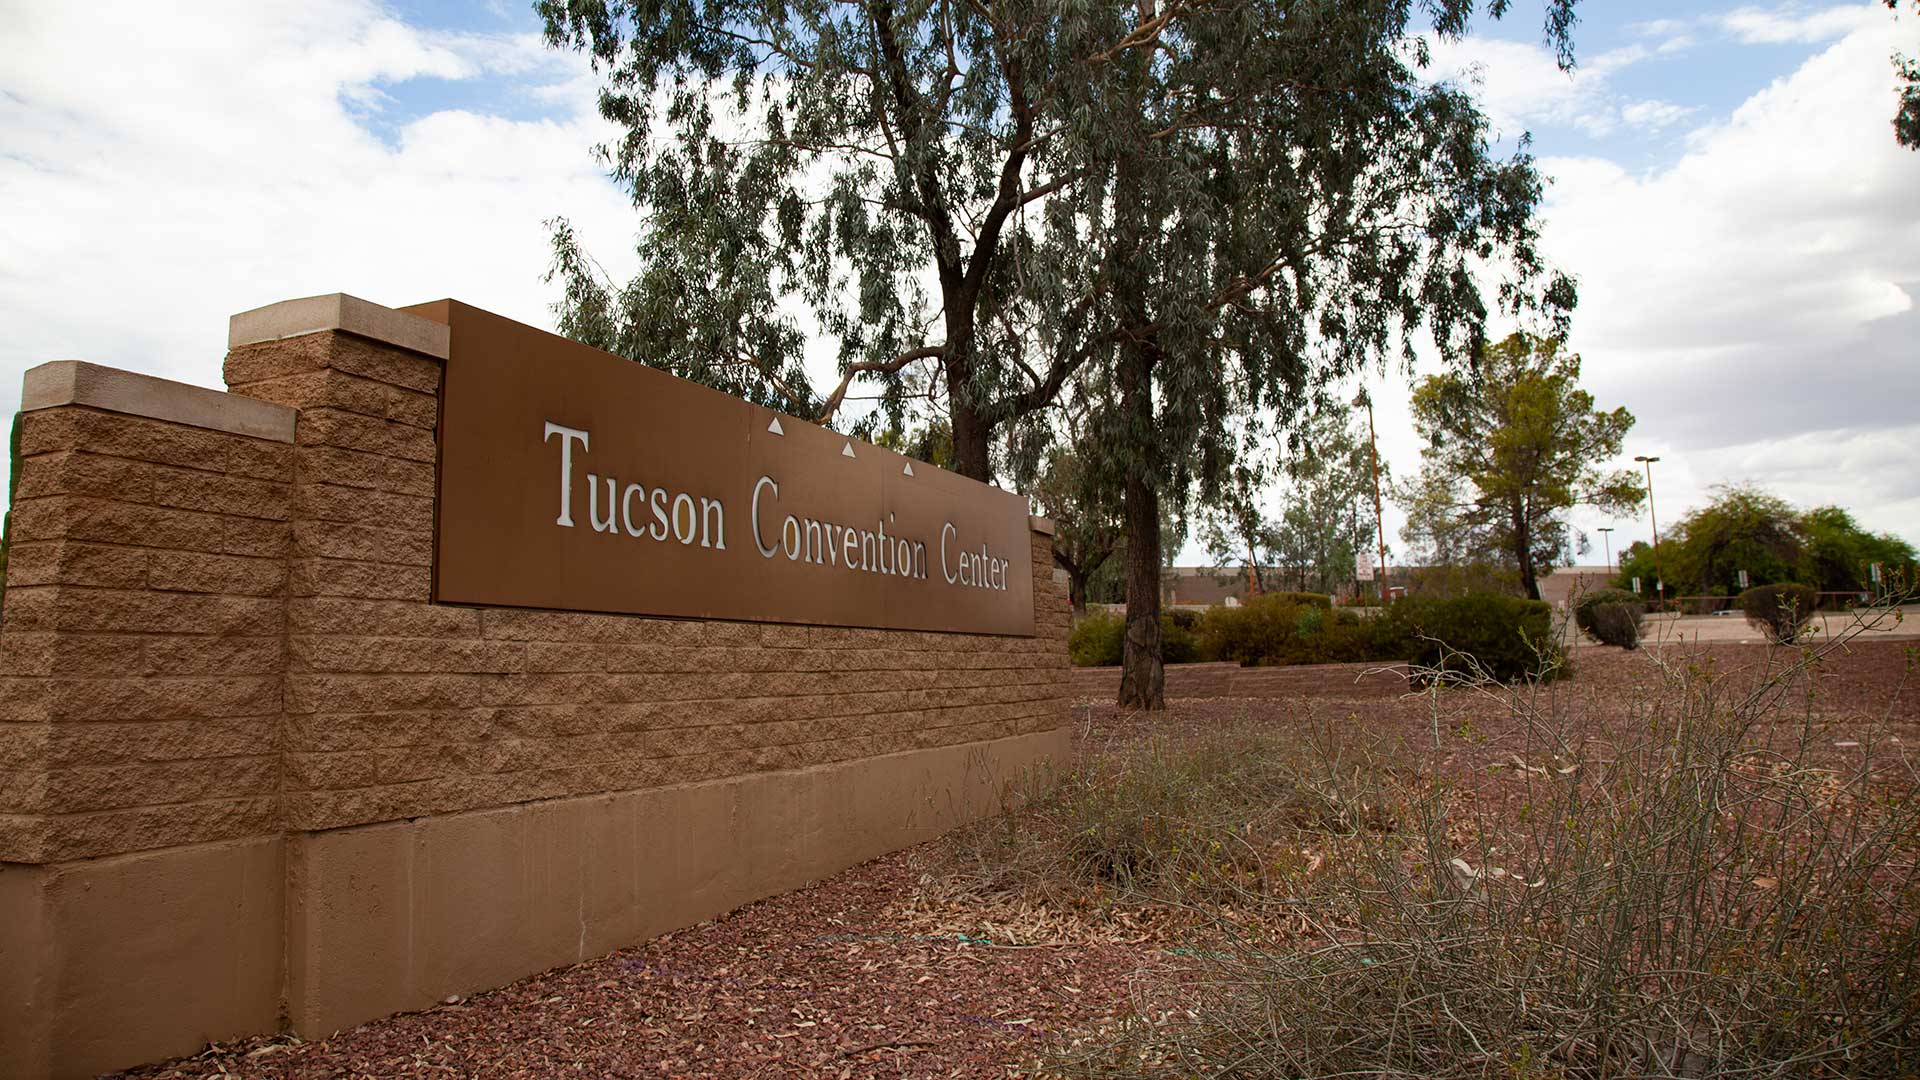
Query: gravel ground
[(855, 977)]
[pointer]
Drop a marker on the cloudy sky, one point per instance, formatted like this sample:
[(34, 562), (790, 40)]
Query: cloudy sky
[(1726, 188)]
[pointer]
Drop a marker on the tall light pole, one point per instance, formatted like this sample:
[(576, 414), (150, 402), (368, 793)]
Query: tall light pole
[(1660, 576), (1606, 537), (1379, 520)]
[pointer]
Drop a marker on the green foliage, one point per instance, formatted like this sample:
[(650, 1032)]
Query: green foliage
[(1583, 611), (1745, 528), (1838, 552), (1781, 611), (1289, 628), (1511, 447), (1099, 639), (1618, 624), (1462, 579), (1179, 637), (1503, 637)]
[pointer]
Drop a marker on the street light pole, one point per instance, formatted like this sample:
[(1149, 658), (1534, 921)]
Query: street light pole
[(1660, 575), (1379, 520), (1606, 537)]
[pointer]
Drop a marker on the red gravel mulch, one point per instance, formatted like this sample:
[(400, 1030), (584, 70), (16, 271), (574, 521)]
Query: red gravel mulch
[(851, 978)]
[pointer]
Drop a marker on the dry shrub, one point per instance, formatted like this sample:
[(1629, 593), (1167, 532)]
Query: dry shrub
[(1707, 886), (1617, 624), (1206, 819)]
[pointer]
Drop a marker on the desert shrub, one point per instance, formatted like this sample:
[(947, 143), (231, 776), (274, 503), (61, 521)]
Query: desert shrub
[(1584, 609), (1305, 599), (1452, 580), (1097, 640), (1688, 883), (1279, 628), (1504, 637), (1199, 818), (1779, 611), (1179, 639), (1617, 624)]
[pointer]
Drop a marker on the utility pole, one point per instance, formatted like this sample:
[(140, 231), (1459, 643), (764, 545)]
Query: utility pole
[(1606, 537), (1379, 520), (1660, 576)]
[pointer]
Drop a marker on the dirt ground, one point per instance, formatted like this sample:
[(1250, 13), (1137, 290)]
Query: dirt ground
[(853, 978)]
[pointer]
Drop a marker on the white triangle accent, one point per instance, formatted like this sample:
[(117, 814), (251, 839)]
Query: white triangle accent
[(775, 427), (847, 450), (909, 468)]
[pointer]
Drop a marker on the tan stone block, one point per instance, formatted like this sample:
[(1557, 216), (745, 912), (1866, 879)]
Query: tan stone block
[(23, 789), (118, 435), (334, 427), (395, 655), (518, 624), (261, 459), (75, 472), (385, 363), (84, 788), (215, 655), (161, 697), (373, 581), (363, 543), (348, 393), (253, 536), (327, 502), (356, 469), (321, 732), (345, 770), (23, 839), (73, 609), (79, 745), (385, 618), (143, 828), (72, 562), (48, 653), (307, 693), (236, 575), (237, 496)]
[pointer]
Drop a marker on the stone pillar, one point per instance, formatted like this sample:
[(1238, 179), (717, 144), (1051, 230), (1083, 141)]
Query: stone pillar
[(140, 662)]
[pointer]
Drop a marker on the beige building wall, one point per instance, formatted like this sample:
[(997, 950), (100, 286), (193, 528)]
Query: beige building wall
[(251, 777)]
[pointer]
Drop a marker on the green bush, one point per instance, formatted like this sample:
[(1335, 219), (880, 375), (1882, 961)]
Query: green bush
[(1779, 611), (1287, 628), (1099, 640), (1503, 636), (1179, 640), (1618, 624), (1583, 612)]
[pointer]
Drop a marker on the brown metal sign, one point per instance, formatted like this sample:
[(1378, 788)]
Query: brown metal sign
[(574, 479)]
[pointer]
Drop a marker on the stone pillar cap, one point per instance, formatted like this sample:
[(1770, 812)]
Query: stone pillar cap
[(76, 382), (338, 311)]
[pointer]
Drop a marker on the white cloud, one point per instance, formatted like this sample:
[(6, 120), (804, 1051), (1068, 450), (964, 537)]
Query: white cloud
[(207, 171), (1792, 24), (1754, 304), (1521, 87)]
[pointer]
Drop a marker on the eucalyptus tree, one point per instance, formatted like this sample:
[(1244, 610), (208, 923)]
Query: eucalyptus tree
[(1271, 196), (857, 173)]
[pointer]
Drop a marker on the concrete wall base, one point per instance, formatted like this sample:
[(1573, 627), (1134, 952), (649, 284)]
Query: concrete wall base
[(108, 963)]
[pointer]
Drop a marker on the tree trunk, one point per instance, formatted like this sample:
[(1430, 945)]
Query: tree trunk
[(1076, 583), (972, 435), (1523, 551), (1143, 676)]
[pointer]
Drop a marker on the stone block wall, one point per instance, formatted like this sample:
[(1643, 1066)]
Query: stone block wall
[(220, 662), (142, 646)]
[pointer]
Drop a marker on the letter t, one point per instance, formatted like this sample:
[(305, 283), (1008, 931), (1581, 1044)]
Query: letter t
[(567, 435)]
